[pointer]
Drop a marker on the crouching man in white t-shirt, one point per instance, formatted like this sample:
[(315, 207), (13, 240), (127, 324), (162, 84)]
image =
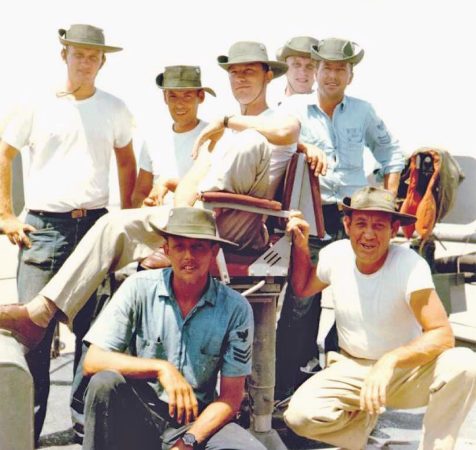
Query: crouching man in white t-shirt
[(397, 346)]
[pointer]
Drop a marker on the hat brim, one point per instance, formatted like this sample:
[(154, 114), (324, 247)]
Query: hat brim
[(278, 68), (104, 48), (157, 228), (355, 59), (160, 84), (404, 219)]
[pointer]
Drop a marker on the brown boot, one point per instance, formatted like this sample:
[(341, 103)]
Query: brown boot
[(15, 318)]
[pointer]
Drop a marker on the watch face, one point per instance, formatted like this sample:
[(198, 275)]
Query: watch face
[(189, 439)]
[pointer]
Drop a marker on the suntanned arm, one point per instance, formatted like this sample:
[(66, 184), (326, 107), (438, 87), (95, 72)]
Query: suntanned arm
[(183, 404), (127, 172), (437, 337), (221, 411), (142, 188), (303, 274), (9, 223), (391, 181)]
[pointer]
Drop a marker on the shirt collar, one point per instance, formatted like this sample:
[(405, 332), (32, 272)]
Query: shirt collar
[(210, 295), (312, 101)]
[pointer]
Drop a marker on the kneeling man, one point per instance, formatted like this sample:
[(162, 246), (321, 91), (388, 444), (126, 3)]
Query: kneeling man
[(157, 348), (395, 339)]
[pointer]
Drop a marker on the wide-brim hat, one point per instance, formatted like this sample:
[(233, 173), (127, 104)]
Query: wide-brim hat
[(335, 49), (296, 46), (372, 198), (86, 36), (182, 78), (189, 222), (245, 52)]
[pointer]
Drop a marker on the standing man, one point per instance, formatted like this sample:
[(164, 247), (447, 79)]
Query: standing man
[(396, 340), (296, 53), (157, 348), (164, 160), (70, 137), (341, 127)]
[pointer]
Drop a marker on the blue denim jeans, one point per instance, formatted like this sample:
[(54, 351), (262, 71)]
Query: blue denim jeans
[(124, 414), (52, 243), (296, 333)]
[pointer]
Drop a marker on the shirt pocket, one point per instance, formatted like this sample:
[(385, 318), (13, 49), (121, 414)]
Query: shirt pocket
[(211, 349), (150, 349), (351, 155)]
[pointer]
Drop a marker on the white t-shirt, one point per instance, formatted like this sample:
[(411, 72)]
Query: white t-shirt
[(70, 143), (169, 155), (373, 313)]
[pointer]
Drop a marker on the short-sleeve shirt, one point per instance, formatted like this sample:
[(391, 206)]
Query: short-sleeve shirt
[(373, 312), (70, 144), (144, 319), (353, 127)]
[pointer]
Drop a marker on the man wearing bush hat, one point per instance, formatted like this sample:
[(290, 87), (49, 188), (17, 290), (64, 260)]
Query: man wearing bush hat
[(397, 345), (296, 53), (341, 127)]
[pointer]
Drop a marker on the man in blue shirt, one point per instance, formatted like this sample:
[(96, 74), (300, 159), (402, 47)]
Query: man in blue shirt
[(156, 350), (341, 127)]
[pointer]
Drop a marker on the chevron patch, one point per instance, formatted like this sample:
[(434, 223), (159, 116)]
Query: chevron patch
[(242, 356)]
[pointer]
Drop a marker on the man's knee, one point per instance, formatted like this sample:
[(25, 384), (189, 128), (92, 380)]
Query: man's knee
[(459, 362), (233, 436), (103, 384)]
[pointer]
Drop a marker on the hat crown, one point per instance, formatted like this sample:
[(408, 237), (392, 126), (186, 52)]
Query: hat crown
[(249, 51), (336, 49), (297, 46), (84, 33), (182, 76), (372, 198), (191, 221)]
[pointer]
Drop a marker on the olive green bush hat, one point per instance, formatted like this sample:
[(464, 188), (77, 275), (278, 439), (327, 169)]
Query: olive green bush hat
[(296, 46), (85, 36), (371, 198), (335, 49), (189, 222), (182, 78), (244, 52)]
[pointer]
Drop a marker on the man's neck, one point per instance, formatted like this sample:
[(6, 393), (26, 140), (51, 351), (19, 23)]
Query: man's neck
[(80, 92), (188, 295), (255, 108), (370, 268), (328, 104), (184, 127)]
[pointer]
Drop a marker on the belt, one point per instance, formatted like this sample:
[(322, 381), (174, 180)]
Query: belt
[(74, 214)]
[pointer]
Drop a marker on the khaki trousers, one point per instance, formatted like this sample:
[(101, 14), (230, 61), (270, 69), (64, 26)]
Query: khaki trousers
[(326, 407)]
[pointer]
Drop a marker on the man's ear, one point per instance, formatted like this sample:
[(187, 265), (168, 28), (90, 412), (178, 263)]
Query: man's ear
[(103, 60), (201, 95), (63, 54), (165, 246), (269, 76), (347, 220), (164, 92), (395, 227)]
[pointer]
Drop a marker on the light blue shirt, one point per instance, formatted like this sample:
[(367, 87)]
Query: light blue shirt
[(144, 319), (354, 125)]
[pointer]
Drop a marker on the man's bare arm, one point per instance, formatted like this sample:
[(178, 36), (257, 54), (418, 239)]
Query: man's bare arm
[(142, 188), (391, 181), (127, 172)]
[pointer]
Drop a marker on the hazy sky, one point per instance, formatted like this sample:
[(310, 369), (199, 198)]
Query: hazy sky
[(418, 69)]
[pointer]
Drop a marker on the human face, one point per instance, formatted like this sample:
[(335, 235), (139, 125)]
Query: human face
[(333, 78), (248, 82), (370, 233), (183, 107), (190, 259), (83, 64), (300, 74)]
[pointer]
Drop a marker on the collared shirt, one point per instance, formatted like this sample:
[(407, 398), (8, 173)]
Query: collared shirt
[(144, 319), (354, 125)]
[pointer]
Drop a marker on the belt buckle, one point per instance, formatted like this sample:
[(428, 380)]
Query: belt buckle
[(79, 213)]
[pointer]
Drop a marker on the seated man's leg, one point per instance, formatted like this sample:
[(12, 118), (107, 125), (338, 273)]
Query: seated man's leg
[(118, 416), (232, 436), (327, 406), (448, 386), (115, 240)]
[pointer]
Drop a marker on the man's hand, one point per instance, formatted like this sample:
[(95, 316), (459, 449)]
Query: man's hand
[(156, 195), (179, 445), (316, 158), (213, 133), (16, 230), (373, 396), (299, 229), (183, 404)]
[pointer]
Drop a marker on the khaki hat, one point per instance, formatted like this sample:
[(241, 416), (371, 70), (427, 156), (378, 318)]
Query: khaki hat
[(182, 78), (335, 49), (296, 46), (372, 198), (85, 36), (189, 222), (244, 52)]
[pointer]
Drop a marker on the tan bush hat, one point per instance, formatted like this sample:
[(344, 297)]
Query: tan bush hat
[(85, 36), (336, 49), (372, 198), (182, 78), (244, 52), (296, 46)]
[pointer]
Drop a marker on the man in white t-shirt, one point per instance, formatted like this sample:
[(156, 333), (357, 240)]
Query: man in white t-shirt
[(165, 159), (70, 137), (397, 346)]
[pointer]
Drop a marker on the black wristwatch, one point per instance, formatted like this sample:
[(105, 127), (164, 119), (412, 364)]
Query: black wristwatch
[(189, 440)]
